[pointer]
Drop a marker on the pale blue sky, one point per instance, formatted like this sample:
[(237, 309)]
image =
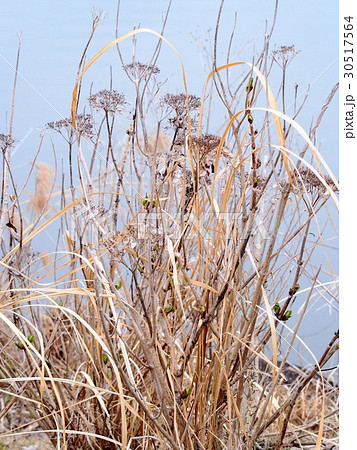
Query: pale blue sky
[(54, 34)]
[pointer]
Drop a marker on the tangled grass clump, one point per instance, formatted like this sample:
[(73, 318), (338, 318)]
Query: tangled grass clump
[(184, 266)]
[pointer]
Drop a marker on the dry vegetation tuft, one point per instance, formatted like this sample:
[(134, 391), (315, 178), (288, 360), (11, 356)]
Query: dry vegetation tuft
[(186, 259)]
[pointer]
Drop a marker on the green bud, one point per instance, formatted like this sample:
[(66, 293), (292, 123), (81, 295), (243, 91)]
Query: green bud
[(145, 202), (249, 86), (169, 308), (31, 338), (186, 392), (203, 309), (105, 358), (11, 366), (119, 284), (294, 289), (287, 315), (250, 118), (19, 345), (276, 308)]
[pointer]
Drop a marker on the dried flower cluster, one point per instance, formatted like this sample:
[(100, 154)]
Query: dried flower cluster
[(109, 101), (207, 144), (306, 180), (181, 104), (84, 124), (142, 70), (311, 182), (6, 141), (285, 54)]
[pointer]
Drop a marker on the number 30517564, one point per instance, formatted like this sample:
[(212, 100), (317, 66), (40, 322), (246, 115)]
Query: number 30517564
[(348, 47)]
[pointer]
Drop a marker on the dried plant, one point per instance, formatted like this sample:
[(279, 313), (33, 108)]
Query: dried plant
[(43, 187), (84, 125), (284, 54), (108, 101), (181, 105), (140, 70), (6, 141), (305, 178), (182, 264)]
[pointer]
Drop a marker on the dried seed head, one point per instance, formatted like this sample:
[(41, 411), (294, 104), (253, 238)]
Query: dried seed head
[(306, 180), (109, 101), (6, 141), (312, 183), (140, 70), (84, 124), (206, 143), (285, 54), (180, 102)]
